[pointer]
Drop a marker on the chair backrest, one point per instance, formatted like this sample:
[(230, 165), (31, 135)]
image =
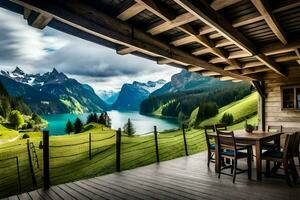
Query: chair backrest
[(208, 129), (297, 143), (274, 128), (288, 149), (221, 126), (226, 140)]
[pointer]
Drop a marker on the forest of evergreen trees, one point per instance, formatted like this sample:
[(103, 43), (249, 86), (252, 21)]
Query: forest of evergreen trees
[(9, 103), (182, 104)]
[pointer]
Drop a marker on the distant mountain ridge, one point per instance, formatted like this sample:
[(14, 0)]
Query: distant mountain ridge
[(131, 95), (52, 92), (109, 96)]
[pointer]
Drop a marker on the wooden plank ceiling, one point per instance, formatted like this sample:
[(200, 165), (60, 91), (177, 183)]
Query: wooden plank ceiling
[(231, 40)]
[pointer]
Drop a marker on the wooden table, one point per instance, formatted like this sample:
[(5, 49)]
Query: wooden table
[(256, 139)]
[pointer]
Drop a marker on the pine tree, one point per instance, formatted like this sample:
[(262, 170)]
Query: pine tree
[(69, 127), (95, 117), (15, 118), (128, 128), (90, 118), (101, 119), (77, 126)]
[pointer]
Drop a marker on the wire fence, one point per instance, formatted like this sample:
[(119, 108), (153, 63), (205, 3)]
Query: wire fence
[(90, 155)]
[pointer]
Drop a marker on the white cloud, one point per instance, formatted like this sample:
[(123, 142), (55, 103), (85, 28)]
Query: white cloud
[(38, 51)]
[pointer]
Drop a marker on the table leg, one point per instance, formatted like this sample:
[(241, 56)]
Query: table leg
[(258, 160), (217, 162)]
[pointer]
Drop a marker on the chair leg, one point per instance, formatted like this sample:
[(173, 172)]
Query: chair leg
[(208, 158), (294, 170), (249, 163), (286, 172), (232, 166), (234, 171), (267, 168)]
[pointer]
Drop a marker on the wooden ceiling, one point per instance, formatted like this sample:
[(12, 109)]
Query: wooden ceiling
[(227, 39)]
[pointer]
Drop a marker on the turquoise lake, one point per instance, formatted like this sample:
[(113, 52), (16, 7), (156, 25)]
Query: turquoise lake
[(142, 123)]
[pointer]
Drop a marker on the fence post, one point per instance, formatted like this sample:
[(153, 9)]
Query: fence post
[(118, 150), (18, 172), (34, 183), (90, 146), (46, 159), (184, 140), (156, 144)]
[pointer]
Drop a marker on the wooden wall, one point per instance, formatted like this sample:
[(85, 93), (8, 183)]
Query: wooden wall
[(274, 114)]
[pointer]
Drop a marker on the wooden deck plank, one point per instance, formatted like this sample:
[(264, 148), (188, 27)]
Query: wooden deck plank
[(140, 188), (145, 189), (76, 194), (179, 179), (101, 194), (24, 196), (85, 192), (48, 194), (62, 193), (35, 195), (113, 189), (13, 198)]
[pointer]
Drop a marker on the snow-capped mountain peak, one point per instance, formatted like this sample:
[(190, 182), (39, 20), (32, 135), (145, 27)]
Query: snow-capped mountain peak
[(35, 79)]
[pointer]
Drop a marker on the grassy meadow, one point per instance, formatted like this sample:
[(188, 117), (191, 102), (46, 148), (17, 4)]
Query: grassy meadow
[(69, 154)]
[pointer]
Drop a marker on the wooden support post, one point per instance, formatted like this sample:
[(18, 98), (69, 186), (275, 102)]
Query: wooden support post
[(184, 140), (46, 159), (156, 144), (260, 87), (90, 146), (118, 150), (18, 172), (34, 183)]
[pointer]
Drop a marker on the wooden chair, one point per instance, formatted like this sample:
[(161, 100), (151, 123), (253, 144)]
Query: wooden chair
[(284, 157), (271, 145), (228, 149), (221, 126), (297, 145), (210, 145)]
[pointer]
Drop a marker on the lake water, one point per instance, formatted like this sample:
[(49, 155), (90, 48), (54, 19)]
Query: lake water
[(142, 123)]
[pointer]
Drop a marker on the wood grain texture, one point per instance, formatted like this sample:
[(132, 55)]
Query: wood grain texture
[(185, 178)]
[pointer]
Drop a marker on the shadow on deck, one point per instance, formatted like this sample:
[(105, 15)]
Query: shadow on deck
[(182, 178)]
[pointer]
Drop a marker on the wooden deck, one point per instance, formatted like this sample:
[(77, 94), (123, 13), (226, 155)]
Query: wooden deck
[(182, 178)]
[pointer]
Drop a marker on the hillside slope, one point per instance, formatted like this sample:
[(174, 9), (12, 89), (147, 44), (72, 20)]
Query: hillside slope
[(242, 109)]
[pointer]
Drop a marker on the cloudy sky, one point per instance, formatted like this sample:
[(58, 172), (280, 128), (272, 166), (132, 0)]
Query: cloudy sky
[(38, 51)]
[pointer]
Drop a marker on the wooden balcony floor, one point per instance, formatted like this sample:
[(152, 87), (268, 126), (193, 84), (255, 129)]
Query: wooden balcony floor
[(182, 178)]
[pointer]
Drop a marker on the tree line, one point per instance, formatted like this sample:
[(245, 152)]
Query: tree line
[(182, 104), (77, 126)]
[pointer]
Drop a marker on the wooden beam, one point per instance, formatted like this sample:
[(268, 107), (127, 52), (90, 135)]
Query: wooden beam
[(154, 7), (297, 52), (131, 11), (264, 10), (178, 21), (88, 19), (255, 70), (226, 78), (209, 16), (209, 73), (26, 13), (195, 69), (125, 50), (259, 87), (220, 4), (40, 22)]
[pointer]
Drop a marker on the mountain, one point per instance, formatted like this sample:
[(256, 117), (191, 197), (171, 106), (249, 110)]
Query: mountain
[(185, 81), (109, 96), (52, 92), (131, 95), (187, 91)]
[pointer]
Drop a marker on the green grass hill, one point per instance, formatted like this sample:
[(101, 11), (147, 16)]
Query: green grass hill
[(241, 110)]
